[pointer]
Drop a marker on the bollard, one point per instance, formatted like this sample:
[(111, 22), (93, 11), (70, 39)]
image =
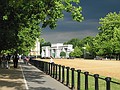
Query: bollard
[(86, 80), (63, 74), (107, 79), (78, 79), (60, 73), (72, 83), (67, 76), (96, 76)]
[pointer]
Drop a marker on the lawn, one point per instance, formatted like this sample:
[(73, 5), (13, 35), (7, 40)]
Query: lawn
[(102, 67)]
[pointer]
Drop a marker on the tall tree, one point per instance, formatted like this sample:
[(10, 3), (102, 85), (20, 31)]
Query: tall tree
[(106, 42), (20, 19)]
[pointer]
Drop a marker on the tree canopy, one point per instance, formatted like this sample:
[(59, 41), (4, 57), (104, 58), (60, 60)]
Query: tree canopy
[(108, 39), (20, 20)]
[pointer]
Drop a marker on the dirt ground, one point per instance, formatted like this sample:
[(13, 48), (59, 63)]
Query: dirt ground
[(102, 67)]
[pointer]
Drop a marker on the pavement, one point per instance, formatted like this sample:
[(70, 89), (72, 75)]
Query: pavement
[(27, 77)]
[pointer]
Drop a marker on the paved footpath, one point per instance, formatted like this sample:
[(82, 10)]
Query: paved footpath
[(28, 77)]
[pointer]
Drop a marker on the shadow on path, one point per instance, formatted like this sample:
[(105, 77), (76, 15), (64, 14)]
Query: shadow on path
[(37, 80), (11, 79)]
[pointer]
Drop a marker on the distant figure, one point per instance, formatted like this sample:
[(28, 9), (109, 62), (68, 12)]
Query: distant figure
[(8, 57), (15, 60), (26, 60), (0, 61), (51, 59), (4, 61)]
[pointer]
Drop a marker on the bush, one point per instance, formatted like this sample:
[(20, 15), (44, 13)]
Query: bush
[(62, 54)]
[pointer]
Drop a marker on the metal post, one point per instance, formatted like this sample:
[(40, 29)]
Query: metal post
[(72, 87), (96, 76), (56, 71), (44, 67), (59, 72), (107, 79), (67, 76), (51, 69), (86, 80), (78, 79), (63, 73)]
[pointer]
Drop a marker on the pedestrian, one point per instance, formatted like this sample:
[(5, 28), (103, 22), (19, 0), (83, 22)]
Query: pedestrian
[(27, 60), (0, 61), (4, 61), (52, 63), (15, 60), (8, 60), (51, 59)]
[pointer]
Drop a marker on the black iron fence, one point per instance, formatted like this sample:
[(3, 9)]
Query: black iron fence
[(76, 79)]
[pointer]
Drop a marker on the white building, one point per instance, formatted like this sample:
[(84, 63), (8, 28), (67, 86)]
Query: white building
[(56, 49), (36, 50)]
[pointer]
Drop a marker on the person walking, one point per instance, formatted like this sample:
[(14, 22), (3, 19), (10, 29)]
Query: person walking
[(3, 61), (51, 59), (15, 60), (8, 60)]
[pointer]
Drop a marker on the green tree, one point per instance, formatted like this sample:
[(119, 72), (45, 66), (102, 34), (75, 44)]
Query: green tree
[(106, 42), (62, 54), (21, 19), (77, 52), (71, 54)]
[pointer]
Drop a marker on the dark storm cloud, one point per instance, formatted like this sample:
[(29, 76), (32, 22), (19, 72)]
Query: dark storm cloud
[(93, 10), (99, 8)]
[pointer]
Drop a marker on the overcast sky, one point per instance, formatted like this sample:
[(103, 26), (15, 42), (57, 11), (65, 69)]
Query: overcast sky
[(92, 11)]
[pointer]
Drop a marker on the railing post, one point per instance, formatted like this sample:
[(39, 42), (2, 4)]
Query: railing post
[(37, 64), (67, 76), (63, 73), (56, 71), (44, 64), (78, 79), (40, 65), (86, 80), (51, 69), (34, 63), (46, 67), (96, 76), (107, 79), (72, 87), (59, 72)]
